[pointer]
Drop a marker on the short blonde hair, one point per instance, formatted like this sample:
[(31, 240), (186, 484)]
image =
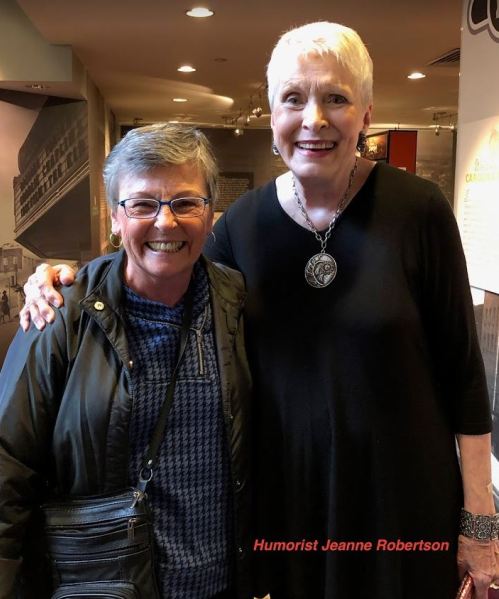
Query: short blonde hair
[(323, 39)]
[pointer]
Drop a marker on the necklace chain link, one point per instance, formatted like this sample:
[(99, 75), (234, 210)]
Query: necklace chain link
[(341, 207)]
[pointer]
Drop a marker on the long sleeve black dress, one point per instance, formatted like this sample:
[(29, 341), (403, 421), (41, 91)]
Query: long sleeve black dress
[(360, 390)]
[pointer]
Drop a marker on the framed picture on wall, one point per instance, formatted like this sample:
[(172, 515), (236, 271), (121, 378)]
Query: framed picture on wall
[(377, 147), (395, 147)]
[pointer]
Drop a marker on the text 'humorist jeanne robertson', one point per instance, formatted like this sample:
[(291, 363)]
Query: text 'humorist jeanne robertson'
[(331, 545)]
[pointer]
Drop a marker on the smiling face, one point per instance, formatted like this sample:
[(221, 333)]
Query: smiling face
[(162, 251), (317, 117)]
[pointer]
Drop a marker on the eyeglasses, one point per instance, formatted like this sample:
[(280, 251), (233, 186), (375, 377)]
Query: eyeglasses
[(150, 207)]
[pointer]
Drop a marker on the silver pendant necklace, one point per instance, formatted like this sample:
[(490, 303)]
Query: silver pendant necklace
[(321, 269)]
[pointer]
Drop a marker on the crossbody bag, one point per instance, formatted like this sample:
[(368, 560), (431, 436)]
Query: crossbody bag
[(103, 546)]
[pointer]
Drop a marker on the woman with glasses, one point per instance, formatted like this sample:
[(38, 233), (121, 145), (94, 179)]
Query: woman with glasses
[(79, 400)]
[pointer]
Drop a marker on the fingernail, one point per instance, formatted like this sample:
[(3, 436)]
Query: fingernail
[(56, 303)]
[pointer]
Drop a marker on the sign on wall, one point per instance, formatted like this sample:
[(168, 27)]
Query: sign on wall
[(232, 185), (483, 15), (477, 163), (478, 202), (477, 182)]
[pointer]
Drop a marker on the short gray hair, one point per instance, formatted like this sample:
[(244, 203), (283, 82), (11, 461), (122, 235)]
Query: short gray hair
[(166, 144), (323, 39)]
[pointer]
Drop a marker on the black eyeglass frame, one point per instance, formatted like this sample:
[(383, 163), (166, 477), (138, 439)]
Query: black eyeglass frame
[(161, 203)]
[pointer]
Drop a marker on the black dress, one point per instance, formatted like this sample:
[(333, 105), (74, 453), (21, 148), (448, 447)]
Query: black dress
[(361, 387)]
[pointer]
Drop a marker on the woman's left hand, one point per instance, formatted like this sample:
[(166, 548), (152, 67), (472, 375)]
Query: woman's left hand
[(481, 560)]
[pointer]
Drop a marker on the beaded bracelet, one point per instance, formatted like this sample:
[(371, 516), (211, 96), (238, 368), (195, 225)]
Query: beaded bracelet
[(481, 527)]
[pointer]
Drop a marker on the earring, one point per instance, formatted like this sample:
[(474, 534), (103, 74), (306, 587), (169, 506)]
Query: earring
[(275, 151), (214, 237), (115, 241), (362, 142)]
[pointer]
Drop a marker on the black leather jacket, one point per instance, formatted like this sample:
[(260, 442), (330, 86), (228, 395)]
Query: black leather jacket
[(65, 406)]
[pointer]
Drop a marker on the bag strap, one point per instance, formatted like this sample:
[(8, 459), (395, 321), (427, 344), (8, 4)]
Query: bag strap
[(146, 472)]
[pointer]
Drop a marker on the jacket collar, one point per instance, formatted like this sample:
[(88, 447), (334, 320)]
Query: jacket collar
[(104, 302), (228, 289), (227, 294)]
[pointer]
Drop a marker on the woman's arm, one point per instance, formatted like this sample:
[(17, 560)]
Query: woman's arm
[(460, 375), (475, 453), (29, 390), (475, 556), (42, 295)]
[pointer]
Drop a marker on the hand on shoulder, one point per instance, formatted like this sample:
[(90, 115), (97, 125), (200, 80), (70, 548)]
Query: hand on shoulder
[(41, 294)]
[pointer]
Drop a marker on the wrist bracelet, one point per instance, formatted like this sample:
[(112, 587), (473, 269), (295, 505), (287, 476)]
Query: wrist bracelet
[(481, 527)]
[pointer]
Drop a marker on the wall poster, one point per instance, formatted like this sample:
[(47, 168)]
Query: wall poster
[(478, 207), (477, 185), (43, 193)]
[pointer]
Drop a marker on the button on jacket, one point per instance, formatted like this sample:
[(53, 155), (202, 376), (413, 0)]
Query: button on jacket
[(65, 404)]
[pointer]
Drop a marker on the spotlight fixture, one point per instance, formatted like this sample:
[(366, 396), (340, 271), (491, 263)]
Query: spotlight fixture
[(199, 12), (186, 68), (443, 121), (416, 75), (257, 110), (179, 99)]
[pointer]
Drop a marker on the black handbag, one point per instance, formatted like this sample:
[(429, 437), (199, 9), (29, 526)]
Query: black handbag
[(103, 546)]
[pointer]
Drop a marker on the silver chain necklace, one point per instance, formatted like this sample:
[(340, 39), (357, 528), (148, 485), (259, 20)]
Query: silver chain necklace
[(321, 269)]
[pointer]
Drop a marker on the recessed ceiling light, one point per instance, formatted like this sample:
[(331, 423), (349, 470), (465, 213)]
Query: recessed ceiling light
[(186, 68), (416, 75), (180, 99), (200, 12)]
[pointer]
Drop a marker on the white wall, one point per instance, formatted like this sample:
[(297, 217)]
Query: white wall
[(477, 163)]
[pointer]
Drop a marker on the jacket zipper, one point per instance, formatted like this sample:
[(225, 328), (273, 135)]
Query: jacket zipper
[(199, 343)]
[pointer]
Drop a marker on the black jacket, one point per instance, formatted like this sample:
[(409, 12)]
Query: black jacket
[(65, 406)]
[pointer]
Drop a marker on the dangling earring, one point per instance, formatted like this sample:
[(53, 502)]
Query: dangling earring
[(275, 151), (362, 142), (115, 241)]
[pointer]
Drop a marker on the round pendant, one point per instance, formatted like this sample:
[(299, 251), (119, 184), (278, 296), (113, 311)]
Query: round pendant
[(320, 270)]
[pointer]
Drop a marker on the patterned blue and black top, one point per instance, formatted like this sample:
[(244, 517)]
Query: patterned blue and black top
[(190, 491)]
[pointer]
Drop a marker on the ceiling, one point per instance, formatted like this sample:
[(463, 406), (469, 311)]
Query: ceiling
[(132, 49)]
